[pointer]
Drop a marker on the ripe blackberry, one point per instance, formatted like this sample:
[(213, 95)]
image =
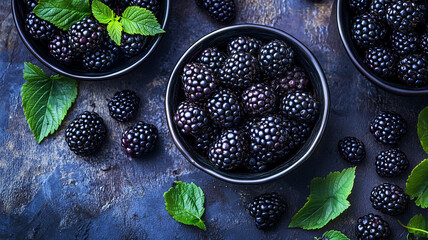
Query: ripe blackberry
[(198, 81), (267, 210), (98, 59), (39, 28), (388, 127), (258, 99), (257, 163), (31, 4), (404, 43), (222, 11), (381, 61), (109, 44), (152, 5), (367, 31), (294, 79), (244, 44), (359, 6), (276, 58), (206, 138), (391, 163), (239, 70), (300, 106), (424, 43), (298, 132), (124, 105), (389, 199), (86, 133), (378, 8), (139, 139), (86, 34), (413, 70), (352, 149), (132, 44), (191, 118), (406, 15), (225, 109), (268, 135), (213, 59), (61, 50), (229, 150), (372, 227)]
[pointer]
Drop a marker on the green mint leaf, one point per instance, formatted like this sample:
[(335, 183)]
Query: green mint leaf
[(137, 20), (423, 128), (417, 184), (335, 235), (418, 226), (327, 200), (46, 100), (63, 13), (102, 12), (114, 29), (185, 203)]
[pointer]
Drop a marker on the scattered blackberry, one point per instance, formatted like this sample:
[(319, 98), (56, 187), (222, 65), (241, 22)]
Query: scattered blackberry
[(225, 109), (31, 4), (424, 42), (222, 11), (139, 139), (239, 70), (389, 199), (39, 28), (381, 61), (244, 44), (213, 59), (378, 8), (391, 163), (298, 132), (86, 133), (267, 210), (406, 15), (404, 43), (359, 6), (152, 5), (372, 227), (367, 31), (124, 105), (191, 118), (413, 70), (300, 106), (206, 138), (61, 50), (388, 128), (98, 59), (268, 136), (199, 81), (229, 150), (132, 44), (259, 99), (276, 58), (294, 79), (86, 34), (352, 149)]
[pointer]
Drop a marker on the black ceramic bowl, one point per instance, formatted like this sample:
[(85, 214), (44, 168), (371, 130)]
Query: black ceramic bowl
[(175, 95), (344, 22), (42, 53)]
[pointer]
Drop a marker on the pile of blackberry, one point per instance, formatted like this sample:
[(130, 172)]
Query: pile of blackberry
[(86, 45), (392, 39), (249, 105)]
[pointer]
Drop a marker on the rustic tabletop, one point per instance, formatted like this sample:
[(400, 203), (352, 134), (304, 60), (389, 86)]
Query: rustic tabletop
[(47, 192)]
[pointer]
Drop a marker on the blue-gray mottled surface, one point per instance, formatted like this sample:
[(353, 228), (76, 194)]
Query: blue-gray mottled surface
[(46, 192)]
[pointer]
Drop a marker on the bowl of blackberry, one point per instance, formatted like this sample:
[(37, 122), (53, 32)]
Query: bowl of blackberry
[(91, 39), (247, 103), (387, 40)]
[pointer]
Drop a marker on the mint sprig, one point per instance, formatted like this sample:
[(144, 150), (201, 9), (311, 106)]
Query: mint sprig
[(423, 128), (417, 184), (333, 235), (417, 226)]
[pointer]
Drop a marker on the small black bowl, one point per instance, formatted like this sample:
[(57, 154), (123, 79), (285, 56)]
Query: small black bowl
[(344, 22), (175, 95), (42, 53)]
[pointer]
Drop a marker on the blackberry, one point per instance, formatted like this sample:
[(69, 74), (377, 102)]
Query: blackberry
[(191, 118), (229, 150), (276, 58), (39, 28), (139, 139), (259, 99), (413, 70), (98, 59), (406, 15), (213, 59), (389, 199), (31, 4), (205, 139), (298, 132), (300, 106), (124, 105), (381, 61), (239, 70), (267, 210), (359, 6), (404, 43), (152, 5), (244, 44), (199, 81), (255, 163), (268, 135), (424, 43), (391, 163), (378, 8), (352, 149), (372, 227), (222, 11), (132, 44), (225, 109), (294, 79), (110, 45), (86, 133), (86, 34), (388, 127), (61, 50), (367, 31)]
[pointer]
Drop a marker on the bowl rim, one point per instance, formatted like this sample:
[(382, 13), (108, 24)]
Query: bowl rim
[(85, 77), (356, 60), (311, 147)]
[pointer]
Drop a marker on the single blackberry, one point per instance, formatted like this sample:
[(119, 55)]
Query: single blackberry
[(239, 70), (367, 31), (198, 81), (300, 106), (139, 139), (372, 227), (267, 210), (213, 59), (406, 15), (152, 5), (391, 163), (298, 132), (424, 43), (98, 59), (381, 61), (389, 199), (268, 136), (257, 163), (244, 44), (225, 109), (413, 70), (404, 43), (228, 151), (352, 149), (39, 28), (294, 79), (359, 6), (132, 44), (191, 118), (31, 4), (109, 44), (86, 133), (276, 58), (388, 127), (378, 8), (124, 105), (259, 99), (222, 11), (206, 138), (86, 34), (61, 50)]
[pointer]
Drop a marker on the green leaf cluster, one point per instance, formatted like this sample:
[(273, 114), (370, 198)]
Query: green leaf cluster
[(423, 128), (417, 184)]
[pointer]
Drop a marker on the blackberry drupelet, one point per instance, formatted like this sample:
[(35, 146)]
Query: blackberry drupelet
[(213, 59), (424, 43), (244, 44), (389, 199), (124, 105), (300, 105), (352, 149), (225, 109), (413, 70), (222, 11), (191, 118), (388, 127), (406, 15), (367, 31), (132, 44), (198, 81), (372, 227), (259, 99), (268, 135), (98, 59), (381, 61), (359, 6), (139, 139), (239, 71), (206, 138), (275, 58), (86, 34), (229, 150), (152, 5), (391, 163), (267, 210), (31, 4), (404, 43), (378, 8), (61, 50), (294, 79), (39, 28), (86, 133)]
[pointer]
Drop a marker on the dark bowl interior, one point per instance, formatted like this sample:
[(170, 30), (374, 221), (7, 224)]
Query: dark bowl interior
[(42, 53), (305, 59), (344, 21)]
